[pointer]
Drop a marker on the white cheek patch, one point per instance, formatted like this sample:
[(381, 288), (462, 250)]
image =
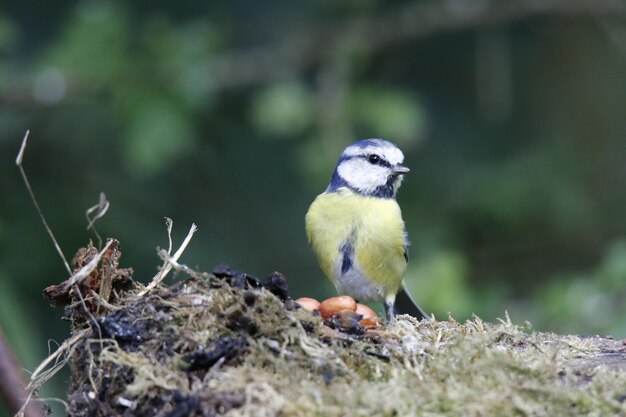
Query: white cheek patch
[(362, 175)]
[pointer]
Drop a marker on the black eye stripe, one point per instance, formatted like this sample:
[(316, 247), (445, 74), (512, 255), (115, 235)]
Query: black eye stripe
[(375, 159)]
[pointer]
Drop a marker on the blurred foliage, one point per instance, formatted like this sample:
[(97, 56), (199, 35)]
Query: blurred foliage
[(579, 301), (283, 109), (515, 135)]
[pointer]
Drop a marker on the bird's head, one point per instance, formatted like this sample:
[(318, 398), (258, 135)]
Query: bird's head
[(371, 167)]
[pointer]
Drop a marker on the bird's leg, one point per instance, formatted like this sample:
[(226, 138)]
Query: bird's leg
[(390, 312)]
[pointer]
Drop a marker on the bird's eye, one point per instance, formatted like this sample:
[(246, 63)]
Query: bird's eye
[(374, 159)]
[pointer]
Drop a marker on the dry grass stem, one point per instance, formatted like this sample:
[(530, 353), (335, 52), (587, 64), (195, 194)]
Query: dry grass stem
[(167, 266), (18, 162)]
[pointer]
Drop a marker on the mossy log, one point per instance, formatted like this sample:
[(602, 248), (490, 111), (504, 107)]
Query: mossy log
[(223, 343)]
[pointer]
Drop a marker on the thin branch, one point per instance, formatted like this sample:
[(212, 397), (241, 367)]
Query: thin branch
[(308, 49), (18, 162), (375, 34)]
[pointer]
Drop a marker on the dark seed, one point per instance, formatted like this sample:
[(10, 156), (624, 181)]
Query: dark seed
[(277, 285)]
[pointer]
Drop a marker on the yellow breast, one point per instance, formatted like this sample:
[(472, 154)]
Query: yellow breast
[(375, 227)]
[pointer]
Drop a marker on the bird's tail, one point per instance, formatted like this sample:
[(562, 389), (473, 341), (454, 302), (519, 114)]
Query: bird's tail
[(405, 305)]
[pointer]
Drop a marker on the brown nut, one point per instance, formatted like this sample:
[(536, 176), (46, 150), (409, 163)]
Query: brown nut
[(370, 323), (346, 321), (366, 312), (310, 304), (333, 305)]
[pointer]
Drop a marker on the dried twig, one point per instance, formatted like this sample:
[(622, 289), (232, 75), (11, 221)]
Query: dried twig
[(88, 313), (167, 267), (87, 269), (177, 266), (58, 359), (104, 303), (18, 162)]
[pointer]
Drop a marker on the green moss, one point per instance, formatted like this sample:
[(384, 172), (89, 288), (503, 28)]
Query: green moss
[(277, 359)]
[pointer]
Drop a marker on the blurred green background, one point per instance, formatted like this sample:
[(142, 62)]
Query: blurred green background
[(511, 115)]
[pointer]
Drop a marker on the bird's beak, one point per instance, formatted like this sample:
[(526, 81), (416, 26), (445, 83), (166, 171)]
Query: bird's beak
[(400, 169)]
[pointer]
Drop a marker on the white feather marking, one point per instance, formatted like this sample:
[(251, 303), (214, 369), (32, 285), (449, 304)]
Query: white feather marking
[(380, 147)]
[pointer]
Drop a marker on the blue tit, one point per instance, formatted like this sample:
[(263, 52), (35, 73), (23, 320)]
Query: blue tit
[(356, 229)]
